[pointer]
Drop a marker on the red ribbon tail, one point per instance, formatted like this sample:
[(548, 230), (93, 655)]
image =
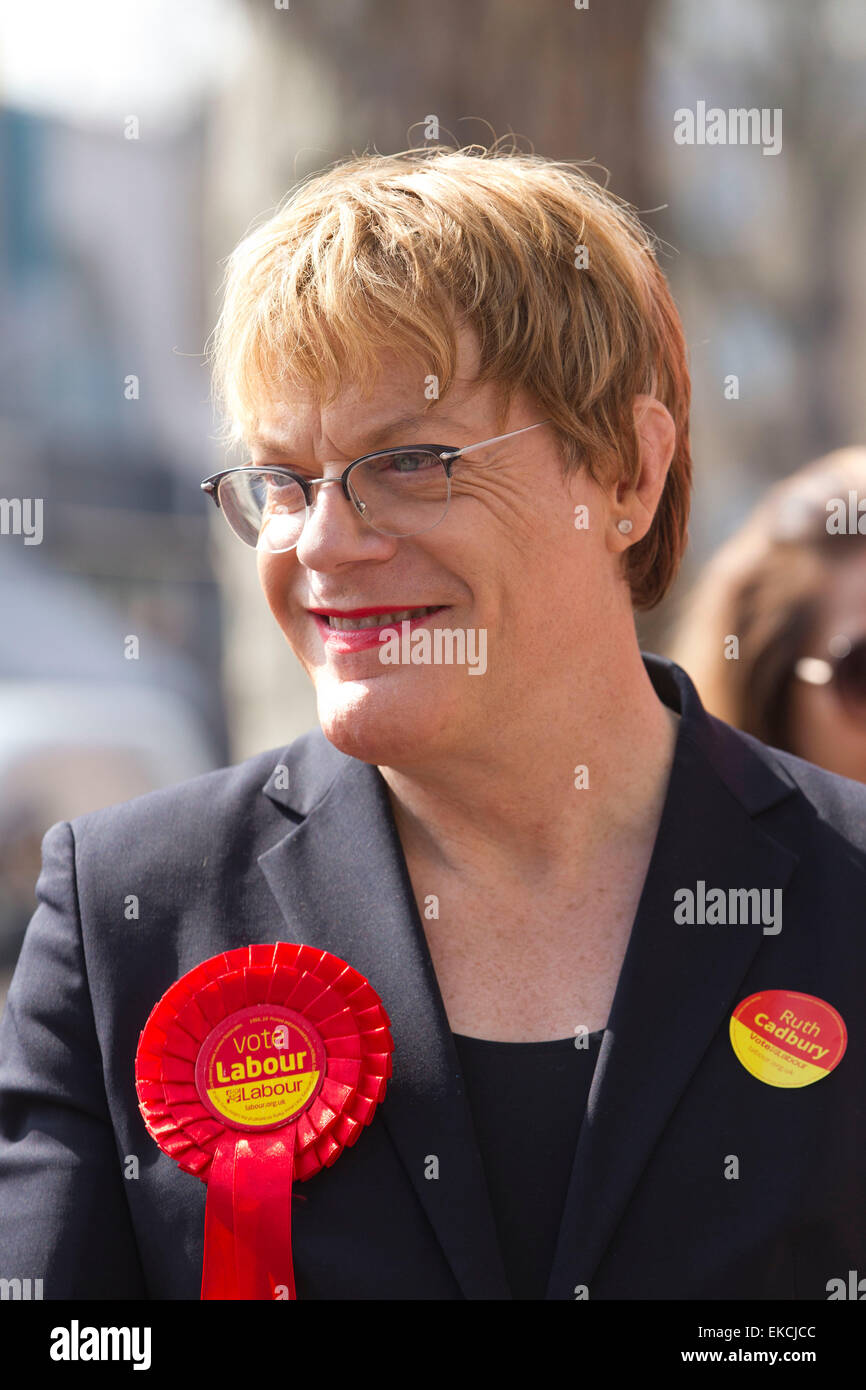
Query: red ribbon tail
[(248, 1218)]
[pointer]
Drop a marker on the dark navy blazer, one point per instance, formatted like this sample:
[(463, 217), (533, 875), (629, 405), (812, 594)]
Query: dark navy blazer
[(231, 858)]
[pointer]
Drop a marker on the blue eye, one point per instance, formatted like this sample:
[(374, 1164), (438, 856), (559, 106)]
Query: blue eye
[(411, 461)]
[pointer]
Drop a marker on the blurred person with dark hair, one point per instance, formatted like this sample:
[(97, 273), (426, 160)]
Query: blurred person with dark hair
[(773, 632)]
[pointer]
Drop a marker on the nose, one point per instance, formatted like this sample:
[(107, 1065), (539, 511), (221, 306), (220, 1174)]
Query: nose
[(334, 531)]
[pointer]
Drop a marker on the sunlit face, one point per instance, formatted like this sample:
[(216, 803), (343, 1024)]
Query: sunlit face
[(506, 559), (824, 730)]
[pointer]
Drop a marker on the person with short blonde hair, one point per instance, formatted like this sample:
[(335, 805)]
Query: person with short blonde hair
[(556, 276), (589, 909)]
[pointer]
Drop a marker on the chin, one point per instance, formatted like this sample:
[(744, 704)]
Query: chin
[(378, 725)]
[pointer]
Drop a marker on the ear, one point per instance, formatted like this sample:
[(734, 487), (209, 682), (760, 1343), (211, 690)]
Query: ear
[(656, 439)]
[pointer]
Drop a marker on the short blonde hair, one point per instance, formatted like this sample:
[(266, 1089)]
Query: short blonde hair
[(391, 252)]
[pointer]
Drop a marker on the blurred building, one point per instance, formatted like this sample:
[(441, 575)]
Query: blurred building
[(765, 250), (110, 647)]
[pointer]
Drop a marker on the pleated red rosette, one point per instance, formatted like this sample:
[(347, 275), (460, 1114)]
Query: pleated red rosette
[(254, 1070)]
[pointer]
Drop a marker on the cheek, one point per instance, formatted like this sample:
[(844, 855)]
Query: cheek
[(274, 582)]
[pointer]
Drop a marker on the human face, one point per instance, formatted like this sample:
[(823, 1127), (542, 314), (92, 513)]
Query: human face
[(823, 730), (507, 560)]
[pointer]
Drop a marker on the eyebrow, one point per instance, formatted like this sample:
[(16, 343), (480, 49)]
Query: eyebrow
[(371, 440)]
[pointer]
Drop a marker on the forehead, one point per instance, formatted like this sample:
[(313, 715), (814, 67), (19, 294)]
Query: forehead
[(286, 429), (403, 398)]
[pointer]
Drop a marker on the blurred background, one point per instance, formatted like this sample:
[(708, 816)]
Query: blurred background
[(139, 142)]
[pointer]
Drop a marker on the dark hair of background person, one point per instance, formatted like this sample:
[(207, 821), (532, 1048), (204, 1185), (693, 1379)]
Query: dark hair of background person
[(766, 586)]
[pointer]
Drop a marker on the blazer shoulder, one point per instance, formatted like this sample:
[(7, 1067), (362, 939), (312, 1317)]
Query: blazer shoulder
[(233, 797), (838, 801)]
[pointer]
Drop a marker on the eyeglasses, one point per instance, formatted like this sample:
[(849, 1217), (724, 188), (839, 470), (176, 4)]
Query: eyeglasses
[(398, 492), (846, 672)]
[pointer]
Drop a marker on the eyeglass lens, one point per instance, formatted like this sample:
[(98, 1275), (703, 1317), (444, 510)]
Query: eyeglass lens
[(398, 494)]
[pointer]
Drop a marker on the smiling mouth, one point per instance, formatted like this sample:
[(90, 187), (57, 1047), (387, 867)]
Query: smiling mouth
[(357, 622)]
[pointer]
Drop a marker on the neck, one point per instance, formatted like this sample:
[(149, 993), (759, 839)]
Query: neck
[(509, 804)]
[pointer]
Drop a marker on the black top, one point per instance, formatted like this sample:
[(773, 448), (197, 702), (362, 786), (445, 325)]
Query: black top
[(527, 1102)]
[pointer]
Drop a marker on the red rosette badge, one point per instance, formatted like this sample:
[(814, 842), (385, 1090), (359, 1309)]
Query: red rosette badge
[(254, 1070)]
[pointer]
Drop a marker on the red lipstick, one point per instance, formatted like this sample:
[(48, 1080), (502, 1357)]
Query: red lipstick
[(336, 640)]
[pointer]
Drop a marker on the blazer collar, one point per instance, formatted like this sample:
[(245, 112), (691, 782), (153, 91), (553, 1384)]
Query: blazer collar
[(678, 984), (340, 879), (342, 885)]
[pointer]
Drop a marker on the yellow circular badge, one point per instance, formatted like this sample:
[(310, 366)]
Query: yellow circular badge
[(260, 1067), (788, 1039)]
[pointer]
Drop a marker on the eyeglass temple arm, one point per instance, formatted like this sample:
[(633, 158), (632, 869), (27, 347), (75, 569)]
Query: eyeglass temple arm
[(455, 453)]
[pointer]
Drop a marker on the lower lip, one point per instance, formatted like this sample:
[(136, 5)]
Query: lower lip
[(359, 639)]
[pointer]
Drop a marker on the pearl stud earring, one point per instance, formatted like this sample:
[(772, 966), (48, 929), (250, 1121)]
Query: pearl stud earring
[(624, 526)]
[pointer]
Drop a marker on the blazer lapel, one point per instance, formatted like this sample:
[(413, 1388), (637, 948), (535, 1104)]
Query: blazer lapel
[(341, 883), (678, 984)]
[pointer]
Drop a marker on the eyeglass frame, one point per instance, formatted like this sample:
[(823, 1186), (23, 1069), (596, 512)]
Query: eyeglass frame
[(447, 456)]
